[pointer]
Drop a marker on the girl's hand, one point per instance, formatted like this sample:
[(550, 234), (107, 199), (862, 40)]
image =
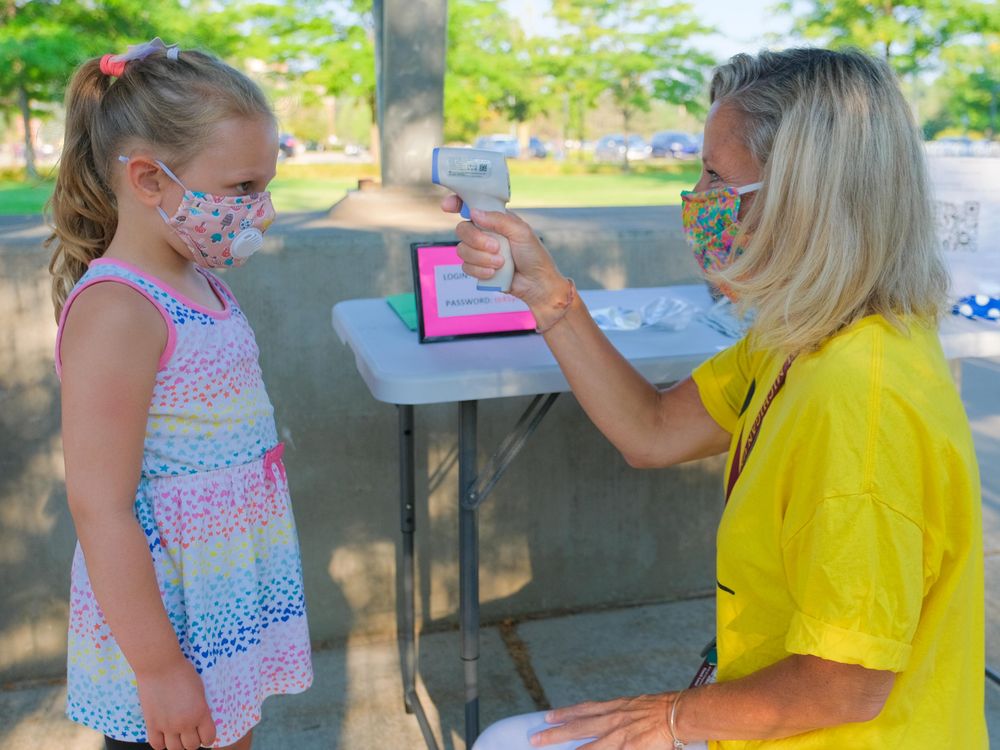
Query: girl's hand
[(537, 281), (638, 723), (174, 707)]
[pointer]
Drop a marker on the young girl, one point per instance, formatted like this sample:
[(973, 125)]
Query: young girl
[(186, 606)]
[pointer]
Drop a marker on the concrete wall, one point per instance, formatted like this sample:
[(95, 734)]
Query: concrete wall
[(570, 526)]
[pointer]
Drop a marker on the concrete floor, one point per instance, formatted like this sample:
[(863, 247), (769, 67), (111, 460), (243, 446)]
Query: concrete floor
[(356, 702)]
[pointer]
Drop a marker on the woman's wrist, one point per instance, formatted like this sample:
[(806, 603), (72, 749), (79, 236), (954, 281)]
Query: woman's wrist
[(554, 304), (672, 718)]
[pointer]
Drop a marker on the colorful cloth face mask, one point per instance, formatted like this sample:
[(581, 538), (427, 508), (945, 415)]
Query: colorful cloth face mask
[(221, 231), (711, 223)]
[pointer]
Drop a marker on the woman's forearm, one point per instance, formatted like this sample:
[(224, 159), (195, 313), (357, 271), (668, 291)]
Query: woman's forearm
[(650, 427), (617, 399), (796, 695), (121, 574)]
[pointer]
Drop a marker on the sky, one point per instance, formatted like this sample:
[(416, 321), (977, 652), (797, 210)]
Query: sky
[(742, 23)]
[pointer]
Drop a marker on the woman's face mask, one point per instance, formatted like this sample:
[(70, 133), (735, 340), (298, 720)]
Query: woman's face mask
[(221, 231), (711, 224)]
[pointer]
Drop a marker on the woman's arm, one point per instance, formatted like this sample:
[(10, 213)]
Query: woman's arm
[(110, 349), (650, 427), (796, 695)]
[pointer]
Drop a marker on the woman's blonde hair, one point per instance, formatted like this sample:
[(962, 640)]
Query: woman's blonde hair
[(842, 227), (170, 105)]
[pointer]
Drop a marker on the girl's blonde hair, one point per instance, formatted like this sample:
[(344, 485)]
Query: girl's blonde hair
[(170, 105), (842, 227)]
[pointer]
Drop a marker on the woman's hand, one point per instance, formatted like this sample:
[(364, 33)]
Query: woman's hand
[(174, 707), (537, 281), (638, 723)]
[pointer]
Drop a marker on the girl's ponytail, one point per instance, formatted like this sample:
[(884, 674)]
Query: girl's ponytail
[(83, 207)]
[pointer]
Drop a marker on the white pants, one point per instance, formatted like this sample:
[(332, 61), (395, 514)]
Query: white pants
[(514, 733)]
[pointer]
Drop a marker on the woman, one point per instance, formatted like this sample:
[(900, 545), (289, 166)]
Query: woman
[(850, 581)]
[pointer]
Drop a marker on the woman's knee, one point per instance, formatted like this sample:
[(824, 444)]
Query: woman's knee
[(514, 733)]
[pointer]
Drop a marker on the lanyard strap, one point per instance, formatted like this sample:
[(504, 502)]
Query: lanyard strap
[(706, 673), (743, 451)]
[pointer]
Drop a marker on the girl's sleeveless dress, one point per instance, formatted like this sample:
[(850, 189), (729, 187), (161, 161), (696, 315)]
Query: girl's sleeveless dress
[(213, 502)]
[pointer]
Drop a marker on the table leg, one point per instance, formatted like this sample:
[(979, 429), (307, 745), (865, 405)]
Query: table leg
[(468, 555), (472, 491), (408, 631)]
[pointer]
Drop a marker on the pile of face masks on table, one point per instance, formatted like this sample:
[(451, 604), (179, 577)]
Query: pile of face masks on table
[(667, 313), (670, 314)]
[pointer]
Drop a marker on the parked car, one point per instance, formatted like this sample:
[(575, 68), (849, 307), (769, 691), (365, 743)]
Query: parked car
[(611, 148), (288, 145), (673, 144), (505, 144), (963, 146), (537, 149)]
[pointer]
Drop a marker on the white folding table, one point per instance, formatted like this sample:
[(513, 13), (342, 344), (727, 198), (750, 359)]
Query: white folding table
[(399, 370)]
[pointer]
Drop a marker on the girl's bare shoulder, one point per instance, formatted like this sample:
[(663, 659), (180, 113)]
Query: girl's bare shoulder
[(112, 322)]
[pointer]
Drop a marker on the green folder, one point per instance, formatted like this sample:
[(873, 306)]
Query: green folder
[(405, 306)]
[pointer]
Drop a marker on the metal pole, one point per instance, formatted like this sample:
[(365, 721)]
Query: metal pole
[(411, 40), (468, 555)]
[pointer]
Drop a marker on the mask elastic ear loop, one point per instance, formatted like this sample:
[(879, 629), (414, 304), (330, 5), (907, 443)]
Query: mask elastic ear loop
[(170, 174), (166, 170), (752, 187)]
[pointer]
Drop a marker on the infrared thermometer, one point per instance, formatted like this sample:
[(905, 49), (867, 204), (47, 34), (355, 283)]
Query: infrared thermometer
[(480, 178)]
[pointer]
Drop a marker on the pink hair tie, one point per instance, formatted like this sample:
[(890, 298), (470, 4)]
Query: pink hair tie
[(112, 67)]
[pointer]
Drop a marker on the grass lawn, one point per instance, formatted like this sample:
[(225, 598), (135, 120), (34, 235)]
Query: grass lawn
[(314, 187), (536, 191), (20, 197)]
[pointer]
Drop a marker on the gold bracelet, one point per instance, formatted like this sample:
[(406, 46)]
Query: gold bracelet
[(678, 744), (563, 307)]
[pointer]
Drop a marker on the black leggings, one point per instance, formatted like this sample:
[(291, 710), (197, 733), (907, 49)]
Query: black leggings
[(110, 744)]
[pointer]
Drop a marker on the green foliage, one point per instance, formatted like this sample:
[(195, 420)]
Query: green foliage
[(321, 44), (316, 187), (907, 33), (956, 38), (972, 83), (43, 41), (638, 50), (490, 69)]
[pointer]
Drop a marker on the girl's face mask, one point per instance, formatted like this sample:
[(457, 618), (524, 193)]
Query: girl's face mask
[(711, 224), (221, 231)]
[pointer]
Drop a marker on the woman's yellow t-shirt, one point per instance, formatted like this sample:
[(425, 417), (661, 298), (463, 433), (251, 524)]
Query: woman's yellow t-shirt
[(854, 532)]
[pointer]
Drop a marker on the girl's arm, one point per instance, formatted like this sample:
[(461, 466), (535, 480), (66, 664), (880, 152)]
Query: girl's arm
[(650, 427), (796, 695), (111, 344)]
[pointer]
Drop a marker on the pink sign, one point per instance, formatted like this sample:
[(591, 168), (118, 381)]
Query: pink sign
[(449, 305)]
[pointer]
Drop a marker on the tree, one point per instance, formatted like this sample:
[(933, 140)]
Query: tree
[(319, 45), (971, 77), (43, 41), (489, 69), (952, 37), (906, 33), (351, 69), (39, 45), (637, 50)]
